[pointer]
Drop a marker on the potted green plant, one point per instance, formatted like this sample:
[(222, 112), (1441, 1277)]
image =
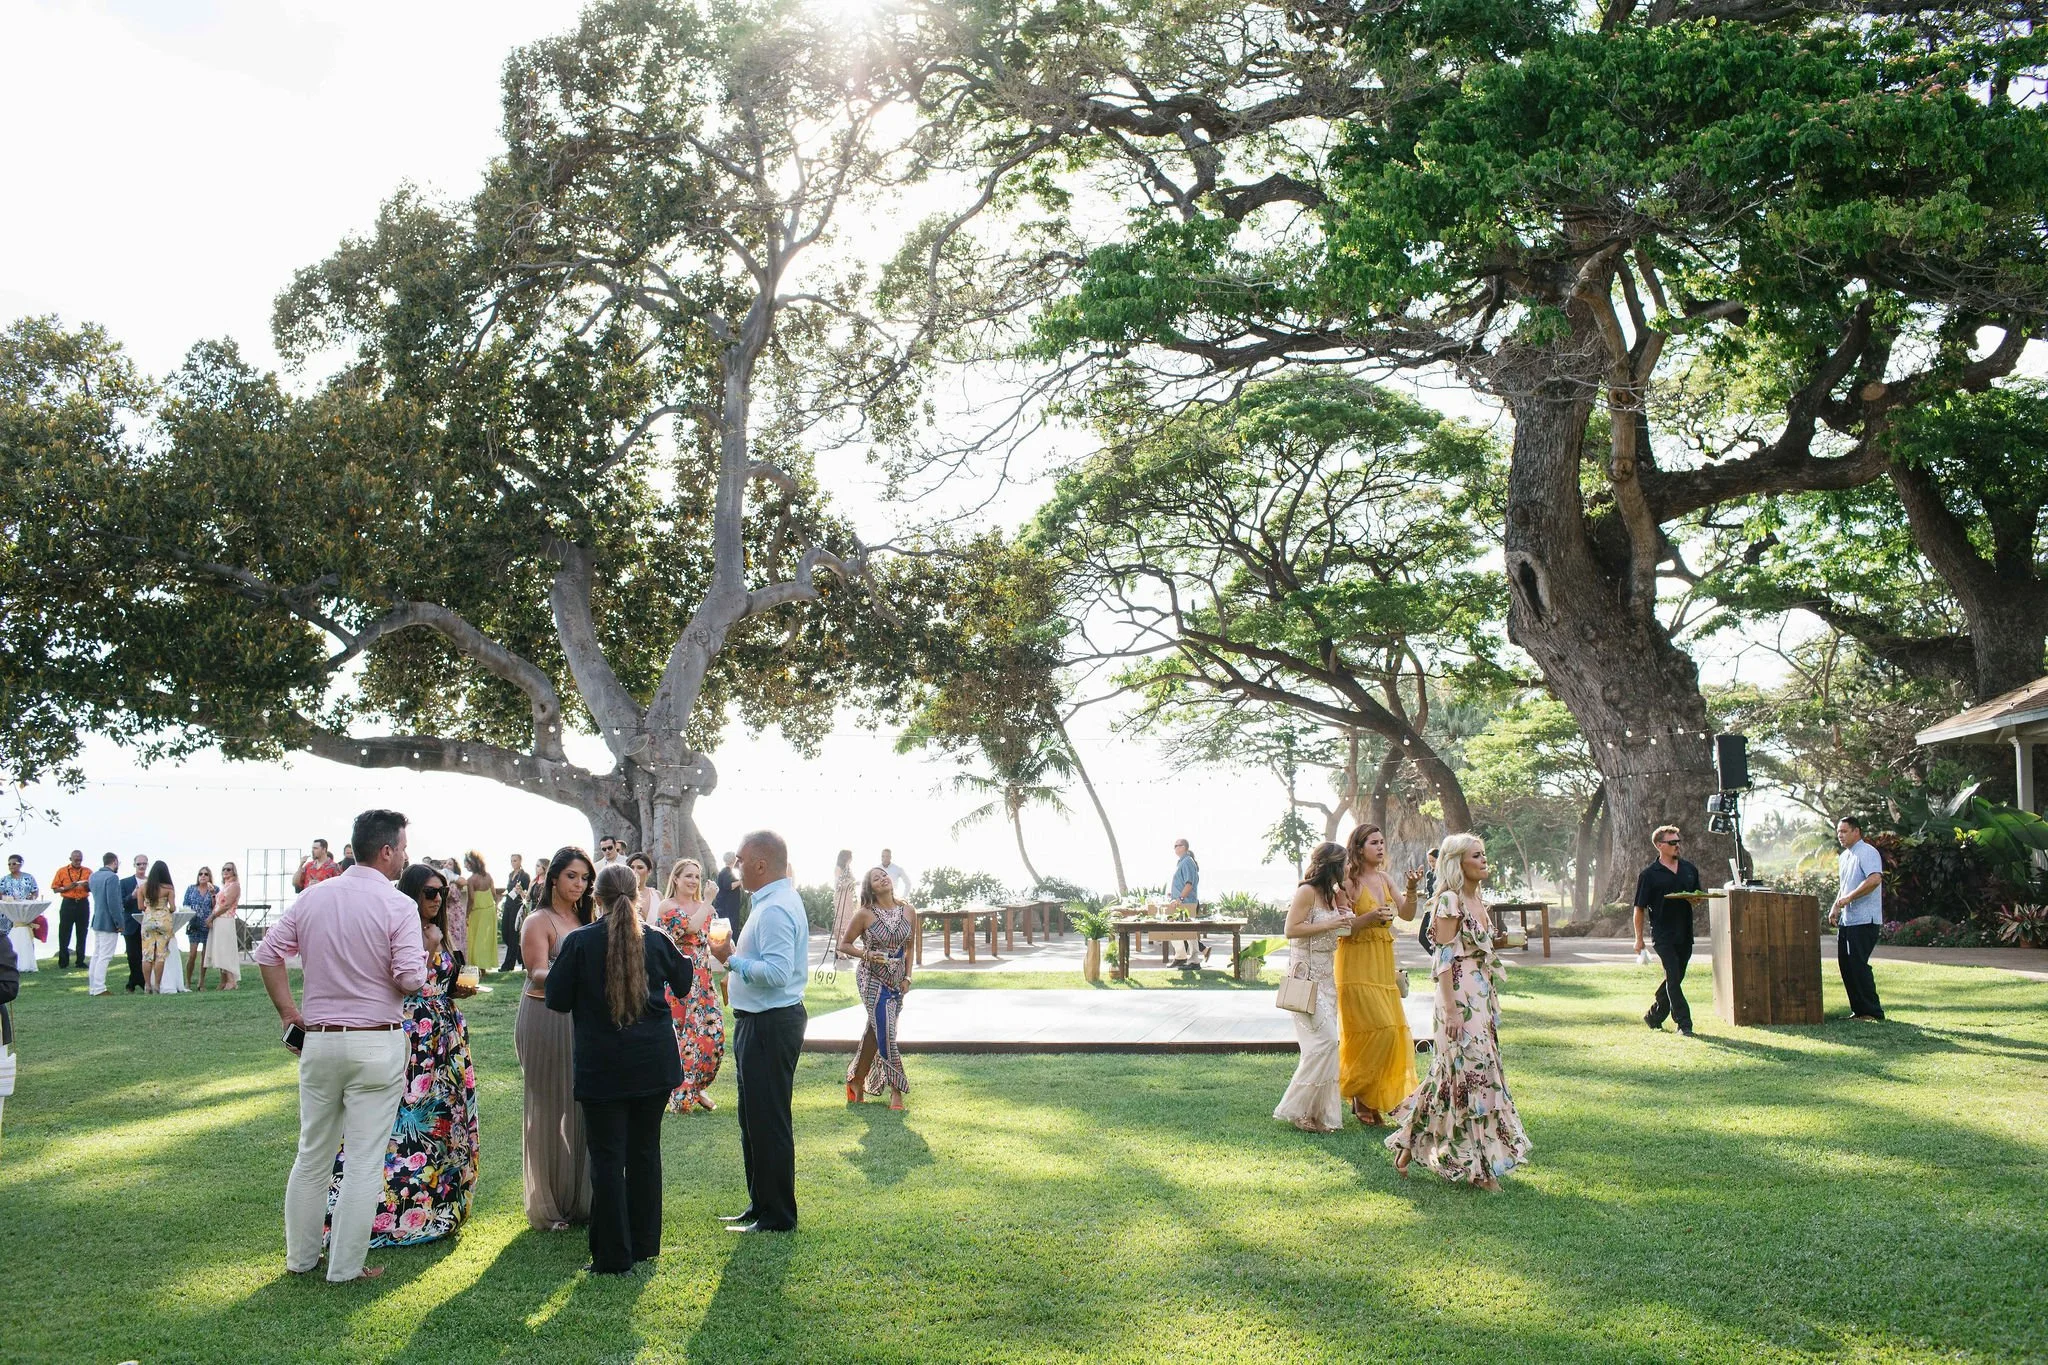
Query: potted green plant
[(1094, 926), (1251, 958)]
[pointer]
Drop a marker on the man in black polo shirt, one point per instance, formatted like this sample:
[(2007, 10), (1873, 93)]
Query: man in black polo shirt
[(1670, 926)]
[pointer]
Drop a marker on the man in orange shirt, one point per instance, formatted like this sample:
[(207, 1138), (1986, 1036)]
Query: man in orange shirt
[(70, 886)]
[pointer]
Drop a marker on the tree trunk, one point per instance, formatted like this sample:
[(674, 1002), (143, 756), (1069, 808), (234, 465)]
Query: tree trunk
[(1582, 849), (1634, 694), (1017, 823), (1116, 856), (1383, 786)]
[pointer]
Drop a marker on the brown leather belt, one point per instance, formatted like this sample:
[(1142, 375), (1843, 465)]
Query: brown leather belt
[(350, 1028)]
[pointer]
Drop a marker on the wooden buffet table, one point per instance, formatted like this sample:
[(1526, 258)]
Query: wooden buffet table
[(1501, 909), (1232, 925), (970, 919), (1047, 913)]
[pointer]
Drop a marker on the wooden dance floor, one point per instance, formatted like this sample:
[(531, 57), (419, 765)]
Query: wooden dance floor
[(1084, 1021)]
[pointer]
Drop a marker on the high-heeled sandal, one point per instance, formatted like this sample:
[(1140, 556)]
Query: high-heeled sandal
[(896, 1103), (853, 1095)]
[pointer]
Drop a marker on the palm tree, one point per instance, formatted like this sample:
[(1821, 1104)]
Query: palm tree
[(1020, 771)]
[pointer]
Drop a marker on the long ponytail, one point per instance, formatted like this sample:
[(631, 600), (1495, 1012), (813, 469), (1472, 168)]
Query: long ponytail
[(625, 956)]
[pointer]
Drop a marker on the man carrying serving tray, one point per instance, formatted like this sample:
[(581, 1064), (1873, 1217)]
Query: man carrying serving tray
[(1665, 892)]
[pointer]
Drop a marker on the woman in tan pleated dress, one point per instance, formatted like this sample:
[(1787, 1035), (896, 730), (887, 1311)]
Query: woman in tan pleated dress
[(557, 1163)]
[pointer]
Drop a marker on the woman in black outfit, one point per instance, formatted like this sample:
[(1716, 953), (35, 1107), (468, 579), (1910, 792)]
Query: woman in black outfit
[(610, 977)]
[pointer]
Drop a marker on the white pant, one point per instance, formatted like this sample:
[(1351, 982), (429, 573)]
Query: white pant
[(349, 1088), (104, 945)]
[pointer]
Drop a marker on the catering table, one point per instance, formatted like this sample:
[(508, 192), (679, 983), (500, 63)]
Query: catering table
[(1178, 928), (1048, 915), (1501, 909), (969, 918), (20, 915)]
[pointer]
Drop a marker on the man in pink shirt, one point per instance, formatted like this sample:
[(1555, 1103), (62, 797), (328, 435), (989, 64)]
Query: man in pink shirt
[(358, 943)]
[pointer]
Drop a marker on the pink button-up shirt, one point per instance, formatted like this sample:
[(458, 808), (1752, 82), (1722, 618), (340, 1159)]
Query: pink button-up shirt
[(358, 939)]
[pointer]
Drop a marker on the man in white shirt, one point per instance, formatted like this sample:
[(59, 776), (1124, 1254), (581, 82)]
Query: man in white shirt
[(609, 851), (897, 875), (1859, 911)]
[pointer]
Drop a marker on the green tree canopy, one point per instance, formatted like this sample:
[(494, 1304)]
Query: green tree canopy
[(1312, 544)]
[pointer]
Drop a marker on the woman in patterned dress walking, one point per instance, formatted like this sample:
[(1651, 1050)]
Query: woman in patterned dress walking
[(1461, 1121), (430, 1164), (884, 929), (685, 916)]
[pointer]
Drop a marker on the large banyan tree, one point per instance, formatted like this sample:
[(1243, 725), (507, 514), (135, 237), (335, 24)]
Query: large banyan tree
[(1699, 252), (557, 473)]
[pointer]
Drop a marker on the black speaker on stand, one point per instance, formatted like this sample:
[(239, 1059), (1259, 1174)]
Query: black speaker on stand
[(1724, 807), (1731, 762)]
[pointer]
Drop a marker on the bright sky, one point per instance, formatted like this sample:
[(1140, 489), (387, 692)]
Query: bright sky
[(174, 161)]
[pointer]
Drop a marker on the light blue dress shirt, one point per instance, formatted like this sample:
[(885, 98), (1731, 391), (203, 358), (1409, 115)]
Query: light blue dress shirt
[(1185, 880), (1858, 861), (769, 963)]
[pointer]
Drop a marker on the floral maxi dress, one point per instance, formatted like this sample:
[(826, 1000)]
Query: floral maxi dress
[(881, 994), (699, 1022), (1461, 1121), (430, 1164)]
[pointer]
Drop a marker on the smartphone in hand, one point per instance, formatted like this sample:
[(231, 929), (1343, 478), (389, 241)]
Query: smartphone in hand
[(295, 1037)]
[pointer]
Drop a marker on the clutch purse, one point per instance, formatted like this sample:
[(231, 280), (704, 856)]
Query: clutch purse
[(1297, 993)]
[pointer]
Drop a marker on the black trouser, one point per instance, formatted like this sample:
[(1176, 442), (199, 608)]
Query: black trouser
[(766, 1044), (508, 934), (133, 937), (1674, 950), (624, 1139), (72, 914), (1853, 945)]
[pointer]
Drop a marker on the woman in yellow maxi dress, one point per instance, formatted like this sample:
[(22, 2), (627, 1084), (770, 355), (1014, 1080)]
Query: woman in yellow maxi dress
[(1376, 1053), (481, 932)]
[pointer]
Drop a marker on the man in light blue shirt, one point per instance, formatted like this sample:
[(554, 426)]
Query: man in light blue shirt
[(766, 989), (1859, 911), (1184, 891), (107, 923)]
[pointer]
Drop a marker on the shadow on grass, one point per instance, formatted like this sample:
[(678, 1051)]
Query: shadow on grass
[(748, 1317), (888, 1148)]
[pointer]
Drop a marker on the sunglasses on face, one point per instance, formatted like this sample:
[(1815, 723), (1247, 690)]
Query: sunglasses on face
[(432, 893), (1669, 843)]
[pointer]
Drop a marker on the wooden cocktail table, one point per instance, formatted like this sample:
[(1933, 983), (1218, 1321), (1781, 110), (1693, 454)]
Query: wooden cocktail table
[(1524, 909), (1232, 925), (969, 918)]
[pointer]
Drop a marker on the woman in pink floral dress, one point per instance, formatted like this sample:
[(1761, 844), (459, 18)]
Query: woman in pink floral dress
[(685, 916), (1461, 1121)]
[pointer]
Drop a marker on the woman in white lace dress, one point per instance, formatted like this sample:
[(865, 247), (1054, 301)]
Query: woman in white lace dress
[(1314, 924)]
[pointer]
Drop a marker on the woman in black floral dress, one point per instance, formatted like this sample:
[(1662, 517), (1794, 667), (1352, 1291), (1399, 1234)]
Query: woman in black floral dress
[(431, 1163)]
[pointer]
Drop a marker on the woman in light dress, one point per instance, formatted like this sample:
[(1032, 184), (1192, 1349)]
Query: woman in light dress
[(1461, 1122), (157, 899), (458, 909), (685, 916), (481, 937), (223, 945), (1315, 920), (883, 928), (646, 899), (1376, 1061), (552, 1149), (845, 898)]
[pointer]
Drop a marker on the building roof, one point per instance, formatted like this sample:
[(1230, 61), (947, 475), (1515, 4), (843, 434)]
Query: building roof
[(2021, 707)]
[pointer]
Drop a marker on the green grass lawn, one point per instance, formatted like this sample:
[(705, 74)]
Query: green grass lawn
[(1851, 1192)]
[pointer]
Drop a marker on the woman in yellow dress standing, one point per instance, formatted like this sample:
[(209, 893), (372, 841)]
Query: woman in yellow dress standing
[(482, 929), (1376, 1053)]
